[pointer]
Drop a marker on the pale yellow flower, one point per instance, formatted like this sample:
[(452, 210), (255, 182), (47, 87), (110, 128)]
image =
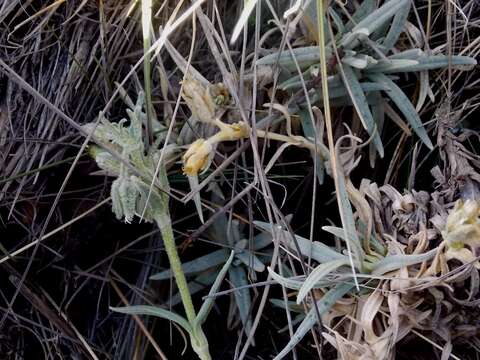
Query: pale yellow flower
[(200, 152), (197, 157)]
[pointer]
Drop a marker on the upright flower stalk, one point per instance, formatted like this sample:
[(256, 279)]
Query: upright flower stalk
[(197, 337), (132, 196)]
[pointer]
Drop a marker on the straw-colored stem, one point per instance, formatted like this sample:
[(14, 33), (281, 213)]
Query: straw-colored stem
[(147, 71)]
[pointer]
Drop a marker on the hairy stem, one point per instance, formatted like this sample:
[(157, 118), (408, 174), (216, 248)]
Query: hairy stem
[(198, 339), (165, 226)]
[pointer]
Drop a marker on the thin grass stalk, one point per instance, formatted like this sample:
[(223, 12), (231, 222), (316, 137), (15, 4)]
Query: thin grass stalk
[(328, 123), (147, 70)]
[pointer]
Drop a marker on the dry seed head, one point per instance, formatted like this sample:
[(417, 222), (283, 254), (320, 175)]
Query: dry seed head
[(198, 100), (219, 94)]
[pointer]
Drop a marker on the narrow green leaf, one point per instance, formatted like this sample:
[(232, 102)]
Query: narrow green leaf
[(208, 303), (374, 242), (196, 285), (318, 274), (361, 106), (348, 222), (323, 305), (337, 93), (318, 251), (398, 25), (154, 311), (395, 65), (294, 284), (296, 320), (359, 61), (410, 54), (395, 262), (250, 260), (306, 56), (200, 264), (291, 305), (365, 8), (286, 282), (378, 113), (380, 16), (338, 232), (294, 82), (262, 240), (336, 19), (309, 132), (405, 106), (391, 66), (238, 277)]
